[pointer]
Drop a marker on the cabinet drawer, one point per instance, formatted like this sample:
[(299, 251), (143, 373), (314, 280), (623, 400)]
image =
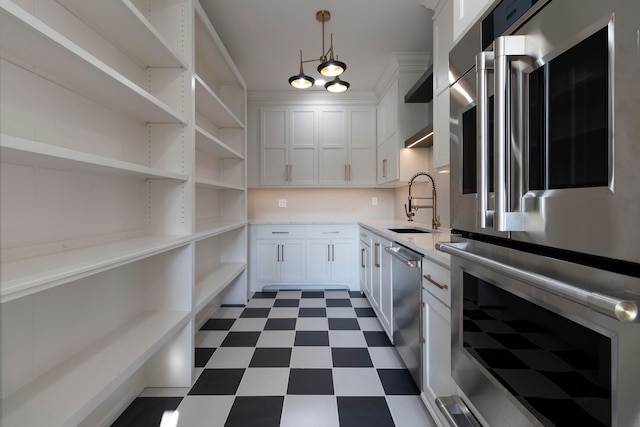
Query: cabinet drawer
[(330, 231), (279, 231), (436, 280)]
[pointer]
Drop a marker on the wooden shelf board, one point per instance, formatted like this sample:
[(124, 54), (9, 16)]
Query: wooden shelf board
[(210, 144), (68, 393), (133, 33), (214, 227), (45, 52), (28, 276), (209, 286), (212, 107), (20, 151)]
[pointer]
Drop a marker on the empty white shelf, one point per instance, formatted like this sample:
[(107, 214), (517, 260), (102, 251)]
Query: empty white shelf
[(210, 144), (213, 227), (126, 27), (27, 276), (26, 152), (217, 185), (212, 107), (211, 284), (68, 393), (47, 53)]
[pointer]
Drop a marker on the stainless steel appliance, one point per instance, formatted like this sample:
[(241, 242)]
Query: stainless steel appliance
[(545, 147), (407, 297)]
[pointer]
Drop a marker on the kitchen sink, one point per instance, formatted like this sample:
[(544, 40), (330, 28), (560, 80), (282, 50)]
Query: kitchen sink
[(407, 230)]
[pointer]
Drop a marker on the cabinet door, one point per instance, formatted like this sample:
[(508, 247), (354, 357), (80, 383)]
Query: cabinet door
[(362, 147), (274, 146), (319, 261), (437, 379), (292, 262), (365, 268), (388, 161), (386, 290), (343, 261), (267, 260), (333, 146), (303, 146), (376, 276)]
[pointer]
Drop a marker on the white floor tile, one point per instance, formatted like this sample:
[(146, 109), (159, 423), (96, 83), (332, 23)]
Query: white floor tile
[(385, 358), (336, 294), (276, 339), (260, 303), (341, 312), (312, 324), (264, 382), (228, 312), (230, 357), (369, 324), (409, 411), (309, 411), (283, 312), (360, 303), (347, 339), (311, 357), (289, 294), (211, 339), (248, 325), (204, 411), (357, 382), (313, 302)]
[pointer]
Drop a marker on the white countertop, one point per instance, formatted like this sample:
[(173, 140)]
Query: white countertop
[(424, 243)]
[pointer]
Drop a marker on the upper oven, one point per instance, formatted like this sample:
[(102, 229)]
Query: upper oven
[(545, 136)]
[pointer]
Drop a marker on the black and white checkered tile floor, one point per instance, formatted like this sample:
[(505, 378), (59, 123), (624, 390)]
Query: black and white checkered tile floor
[(294, 359)]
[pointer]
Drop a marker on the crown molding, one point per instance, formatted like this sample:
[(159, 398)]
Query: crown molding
[(399, 63)]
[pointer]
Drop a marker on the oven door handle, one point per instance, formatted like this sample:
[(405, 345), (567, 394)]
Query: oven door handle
[(619, 309), (504, 48), (484, 63)]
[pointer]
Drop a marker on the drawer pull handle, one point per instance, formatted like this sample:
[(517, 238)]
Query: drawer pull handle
[(428, 277), (330, 232), (279, 232)]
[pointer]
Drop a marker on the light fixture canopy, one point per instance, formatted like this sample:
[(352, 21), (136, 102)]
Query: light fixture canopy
[(329, 66)]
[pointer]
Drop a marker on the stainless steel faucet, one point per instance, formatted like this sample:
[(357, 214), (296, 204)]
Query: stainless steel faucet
[(435, 222)]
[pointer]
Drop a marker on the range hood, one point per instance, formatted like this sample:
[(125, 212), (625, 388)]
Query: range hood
[(421, 139), (422, 90)]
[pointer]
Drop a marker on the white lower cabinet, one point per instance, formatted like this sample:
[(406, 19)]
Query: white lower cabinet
[(379, 291), (365, 262), (303, 255), (436, 328)]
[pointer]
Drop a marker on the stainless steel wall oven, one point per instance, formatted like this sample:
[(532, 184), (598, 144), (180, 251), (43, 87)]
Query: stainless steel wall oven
[(545, 156)]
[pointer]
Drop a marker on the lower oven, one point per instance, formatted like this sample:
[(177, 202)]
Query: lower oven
[(539, 341)]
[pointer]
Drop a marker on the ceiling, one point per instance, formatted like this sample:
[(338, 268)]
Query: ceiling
[(264, 38)]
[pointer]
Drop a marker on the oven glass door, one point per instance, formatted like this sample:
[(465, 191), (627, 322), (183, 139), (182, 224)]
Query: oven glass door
[(556, 368)]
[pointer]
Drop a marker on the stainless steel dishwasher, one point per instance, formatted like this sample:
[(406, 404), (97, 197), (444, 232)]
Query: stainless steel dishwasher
[(407, 299)]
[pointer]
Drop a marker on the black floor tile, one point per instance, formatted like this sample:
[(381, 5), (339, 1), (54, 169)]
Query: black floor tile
[(365, 312), (339, 302), (255, 411), (268, 295), (280, 324), (377, 339), (312, 294), (397, 381), (356, 294), (146, 411), (310, 381), (343, 324), (255, 313), (351, 358), (287, 303), (241, 339), (364, 411), (218, 325), (217, 382), (312, 312), (202, 356), (311, 338), (271, 357)]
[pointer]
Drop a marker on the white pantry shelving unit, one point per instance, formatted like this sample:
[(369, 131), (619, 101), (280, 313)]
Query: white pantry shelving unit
[(123, 201)]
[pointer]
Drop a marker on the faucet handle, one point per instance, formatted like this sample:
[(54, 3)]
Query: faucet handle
[(408, 213)]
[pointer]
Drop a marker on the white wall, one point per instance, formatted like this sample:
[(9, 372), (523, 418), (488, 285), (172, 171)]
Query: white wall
[(317, 204)]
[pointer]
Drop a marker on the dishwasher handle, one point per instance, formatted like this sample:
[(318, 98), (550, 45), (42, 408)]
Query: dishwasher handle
[(409, 258)]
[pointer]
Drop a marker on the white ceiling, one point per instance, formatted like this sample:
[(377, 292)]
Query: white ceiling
[(264, 37)]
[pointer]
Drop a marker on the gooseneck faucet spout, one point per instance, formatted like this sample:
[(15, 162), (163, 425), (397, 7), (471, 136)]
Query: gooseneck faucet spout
[(412, 207)]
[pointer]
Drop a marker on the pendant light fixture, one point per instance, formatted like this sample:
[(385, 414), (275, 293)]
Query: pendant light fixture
[(329, 66)]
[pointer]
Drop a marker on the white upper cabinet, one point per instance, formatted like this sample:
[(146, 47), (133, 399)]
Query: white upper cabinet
[(442, 43), (466, 13)]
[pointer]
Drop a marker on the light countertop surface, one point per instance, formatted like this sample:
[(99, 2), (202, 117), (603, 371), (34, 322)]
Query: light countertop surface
[(424, 243)]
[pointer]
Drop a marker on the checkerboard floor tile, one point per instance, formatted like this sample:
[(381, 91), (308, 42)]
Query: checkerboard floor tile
[(291, 359)]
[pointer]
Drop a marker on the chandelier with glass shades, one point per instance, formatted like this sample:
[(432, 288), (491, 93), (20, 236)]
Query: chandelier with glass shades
[(329, 67)]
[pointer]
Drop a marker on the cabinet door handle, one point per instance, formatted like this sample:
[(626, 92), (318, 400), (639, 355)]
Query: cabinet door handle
[(421, 338), (346, 173), (290, 173), (362, 258), (328, 253), (278, 253), (430, 280), (377, 255), (282, 257), (384, 168), (333, 252), (349, 174)]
